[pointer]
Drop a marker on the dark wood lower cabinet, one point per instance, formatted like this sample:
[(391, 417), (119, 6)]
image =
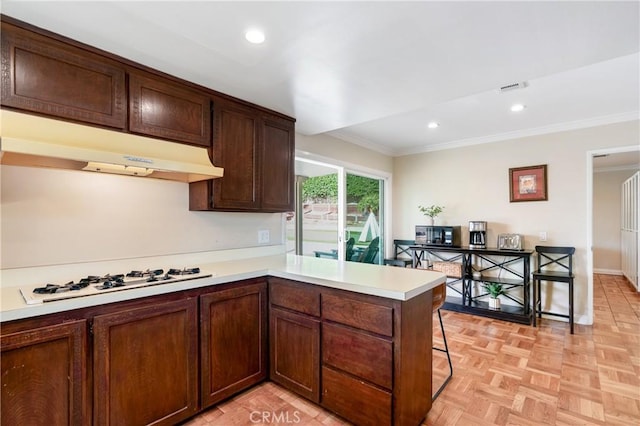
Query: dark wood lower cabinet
[(295, 352), (375, 357), (44, 376), (160, 360), (146, 364), (233, 346)]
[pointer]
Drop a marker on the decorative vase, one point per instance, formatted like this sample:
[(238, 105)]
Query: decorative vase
[(431, 220), (494, 303)]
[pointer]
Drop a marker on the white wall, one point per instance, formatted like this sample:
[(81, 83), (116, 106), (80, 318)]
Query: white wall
[(55, 217), (606, 220), (52, 217), (331, 148), (473, 184)]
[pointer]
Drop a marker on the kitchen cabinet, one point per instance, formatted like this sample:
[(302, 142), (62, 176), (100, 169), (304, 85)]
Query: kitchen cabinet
[(357, 358), (375, 357), (145, 364), (44, 376), (257, 152), (233, 343), (295, 337), (277, 161), (168, 110), (50, 75), (42, 75)]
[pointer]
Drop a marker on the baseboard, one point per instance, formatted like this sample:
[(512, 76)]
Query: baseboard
[(607, 271)]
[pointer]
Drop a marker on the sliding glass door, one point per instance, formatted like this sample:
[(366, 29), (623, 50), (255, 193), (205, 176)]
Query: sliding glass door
[(364, 216), (339, 213)]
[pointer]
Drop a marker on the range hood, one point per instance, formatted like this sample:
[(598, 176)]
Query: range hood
[(28, 140)]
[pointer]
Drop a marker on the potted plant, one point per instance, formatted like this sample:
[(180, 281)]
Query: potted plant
[(495, 290), (431, 212)]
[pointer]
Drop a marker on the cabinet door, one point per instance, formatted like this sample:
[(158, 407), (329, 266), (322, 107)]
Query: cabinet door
[(278, 152), (168, 110), (146, 364), (44, 376), (235, 148), (48, 77), (295, 355), (233, 349)]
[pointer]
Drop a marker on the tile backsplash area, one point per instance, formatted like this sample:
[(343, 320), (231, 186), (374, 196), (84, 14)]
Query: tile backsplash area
[(52, 217)]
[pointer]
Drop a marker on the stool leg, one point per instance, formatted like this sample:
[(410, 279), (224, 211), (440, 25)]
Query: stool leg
[(571, 305), (539, 299), (533, 305), (445, 350)]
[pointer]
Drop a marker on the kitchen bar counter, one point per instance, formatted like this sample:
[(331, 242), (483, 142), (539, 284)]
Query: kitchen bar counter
[(353, 338), (384, 281)]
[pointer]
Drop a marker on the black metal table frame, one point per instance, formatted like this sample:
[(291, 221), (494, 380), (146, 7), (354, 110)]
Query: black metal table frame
[(467, 256)]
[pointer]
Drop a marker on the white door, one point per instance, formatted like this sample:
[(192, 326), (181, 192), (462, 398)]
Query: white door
[(629, 228)]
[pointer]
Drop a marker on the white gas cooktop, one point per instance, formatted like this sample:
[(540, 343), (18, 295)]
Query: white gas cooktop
[(92, 285)]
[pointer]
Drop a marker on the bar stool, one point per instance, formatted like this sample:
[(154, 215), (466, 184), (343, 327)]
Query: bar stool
[(554, 264), (401, 247), (439, 296)]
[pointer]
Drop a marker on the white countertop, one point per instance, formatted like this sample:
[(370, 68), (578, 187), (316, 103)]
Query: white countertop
[(385, 281)]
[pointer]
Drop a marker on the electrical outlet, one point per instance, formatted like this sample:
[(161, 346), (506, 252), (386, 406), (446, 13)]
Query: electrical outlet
[(543, 235), (263, 236)]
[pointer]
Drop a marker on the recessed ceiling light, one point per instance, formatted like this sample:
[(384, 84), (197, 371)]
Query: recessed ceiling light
[(517, 107), (254, 36), (433, 125)]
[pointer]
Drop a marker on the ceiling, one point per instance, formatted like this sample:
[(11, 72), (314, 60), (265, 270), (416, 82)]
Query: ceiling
[(375, 73)]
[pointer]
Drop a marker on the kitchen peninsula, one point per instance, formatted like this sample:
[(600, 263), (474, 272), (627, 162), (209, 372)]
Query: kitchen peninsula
[(353, 338)]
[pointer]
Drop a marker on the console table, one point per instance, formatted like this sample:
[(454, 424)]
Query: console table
[(511, 268)]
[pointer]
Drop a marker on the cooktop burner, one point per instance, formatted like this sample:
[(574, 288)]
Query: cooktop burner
[(94, 284)]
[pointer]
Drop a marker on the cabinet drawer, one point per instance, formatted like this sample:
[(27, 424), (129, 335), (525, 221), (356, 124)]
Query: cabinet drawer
[(356, 401), (362, 355), (295, 296), (363, 315)]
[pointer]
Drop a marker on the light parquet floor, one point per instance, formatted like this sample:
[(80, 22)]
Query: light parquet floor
[(504, 373)]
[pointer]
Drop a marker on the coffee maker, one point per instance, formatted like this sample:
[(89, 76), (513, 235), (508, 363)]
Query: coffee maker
[(477, 235)]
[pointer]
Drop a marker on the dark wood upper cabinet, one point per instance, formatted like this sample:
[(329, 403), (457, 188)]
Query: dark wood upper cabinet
[(235, 148), (168, 110), (278, 168), (257, 153), (44, 376), (45, 76), (50, 75)]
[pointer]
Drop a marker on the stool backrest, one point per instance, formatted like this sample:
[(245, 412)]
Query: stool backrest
[(403, 247), (558, 258)]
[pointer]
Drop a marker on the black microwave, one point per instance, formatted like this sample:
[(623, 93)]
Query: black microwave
[(448, 236)]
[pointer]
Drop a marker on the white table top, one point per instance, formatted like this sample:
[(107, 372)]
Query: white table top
[(385, 281)]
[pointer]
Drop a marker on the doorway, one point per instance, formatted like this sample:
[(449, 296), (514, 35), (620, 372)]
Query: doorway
[(613, 159)]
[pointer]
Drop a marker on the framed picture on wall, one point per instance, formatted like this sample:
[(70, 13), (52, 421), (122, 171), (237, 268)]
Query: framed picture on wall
[(528, 183)]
